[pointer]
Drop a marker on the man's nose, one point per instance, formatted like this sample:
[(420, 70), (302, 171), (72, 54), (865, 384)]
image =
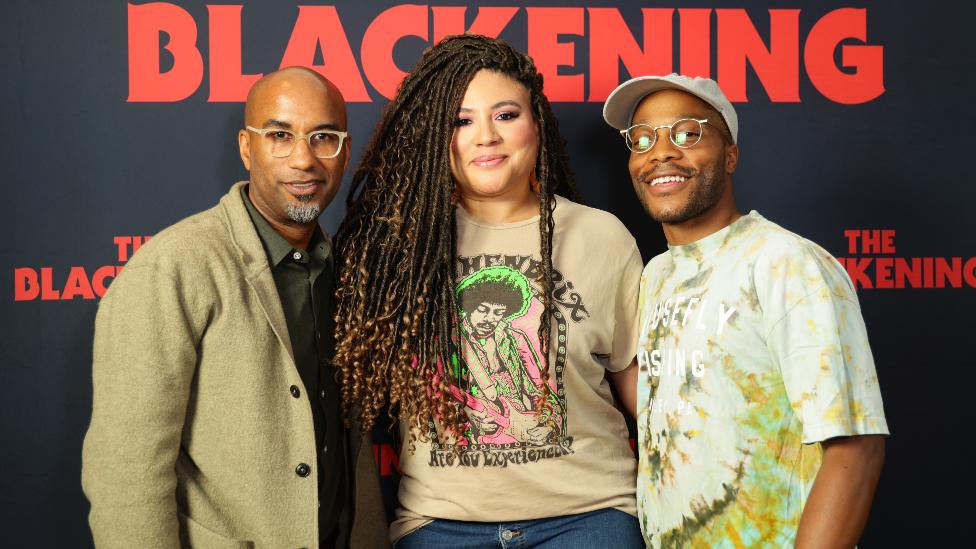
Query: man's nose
[(301, 157), (664, 149)]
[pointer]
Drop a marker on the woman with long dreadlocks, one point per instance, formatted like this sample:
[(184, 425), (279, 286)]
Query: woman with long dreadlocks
[(486, 307)]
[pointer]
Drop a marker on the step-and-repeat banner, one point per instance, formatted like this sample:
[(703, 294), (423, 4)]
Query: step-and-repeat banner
[(857, 131)]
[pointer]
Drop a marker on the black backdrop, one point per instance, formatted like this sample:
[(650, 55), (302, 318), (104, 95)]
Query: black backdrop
[(87, 163)]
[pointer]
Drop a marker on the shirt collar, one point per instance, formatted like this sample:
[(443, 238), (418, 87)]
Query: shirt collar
[(275, 245), (706, 246)]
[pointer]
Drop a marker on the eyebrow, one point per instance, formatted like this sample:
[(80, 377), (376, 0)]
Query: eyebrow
[(507, 102), (326, 126), (272, 123)]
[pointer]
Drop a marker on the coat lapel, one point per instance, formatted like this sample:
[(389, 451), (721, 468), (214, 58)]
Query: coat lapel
[(258, 272)]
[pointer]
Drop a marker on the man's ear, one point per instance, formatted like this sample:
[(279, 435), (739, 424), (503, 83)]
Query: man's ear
[(244, 144), (347, 148), (731, 158)]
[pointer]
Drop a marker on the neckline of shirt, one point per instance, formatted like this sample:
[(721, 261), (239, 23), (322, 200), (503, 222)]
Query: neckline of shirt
[(275, 246), (702, 247), (534, 220)]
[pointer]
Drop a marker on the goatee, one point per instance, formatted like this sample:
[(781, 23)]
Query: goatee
[(701, 197), (303, 213)]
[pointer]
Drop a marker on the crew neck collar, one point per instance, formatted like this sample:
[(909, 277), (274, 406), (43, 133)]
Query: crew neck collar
[(708, 245), (468, 218)]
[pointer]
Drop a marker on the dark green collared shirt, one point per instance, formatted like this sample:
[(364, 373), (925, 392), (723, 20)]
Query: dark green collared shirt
[(306, 287)]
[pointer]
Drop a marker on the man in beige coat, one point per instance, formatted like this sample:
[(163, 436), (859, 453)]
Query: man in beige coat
[(215, 419)]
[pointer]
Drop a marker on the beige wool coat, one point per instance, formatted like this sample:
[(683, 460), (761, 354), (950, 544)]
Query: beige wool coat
[(195, 436)]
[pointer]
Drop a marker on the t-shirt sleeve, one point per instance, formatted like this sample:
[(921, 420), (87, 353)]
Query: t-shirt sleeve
[(625, 312), (816, 334)]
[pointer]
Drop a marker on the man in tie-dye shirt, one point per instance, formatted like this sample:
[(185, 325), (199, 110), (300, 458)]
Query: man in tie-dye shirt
[(758, 406)]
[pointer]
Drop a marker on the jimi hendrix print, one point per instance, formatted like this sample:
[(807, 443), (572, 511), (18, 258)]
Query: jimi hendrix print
[(498, 362)]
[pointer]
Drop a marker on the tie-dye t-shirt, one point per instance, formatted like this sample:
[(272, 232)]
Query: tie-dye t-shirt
[(515, 463), (752, 349)]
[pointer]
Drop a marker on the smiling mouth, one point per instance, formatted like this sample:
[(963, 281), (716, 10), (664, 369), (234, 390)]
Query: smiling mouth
[(664, 180), (302, 187), (489, 161)]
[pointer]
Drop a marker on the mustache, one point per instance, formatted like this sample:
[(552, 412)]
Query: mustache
[(646, 176)]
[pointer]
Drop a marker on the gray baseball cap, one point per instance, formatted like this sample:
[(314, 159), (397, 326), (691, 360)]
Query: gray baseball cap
[(619, 109)]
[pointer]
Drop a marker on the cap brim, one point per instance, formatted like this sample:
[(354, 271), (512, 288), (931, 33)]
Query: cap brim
[(621, 103)]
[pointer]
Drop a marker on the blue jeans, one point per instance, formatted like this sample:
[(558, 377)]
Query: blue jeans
[(606, 528)]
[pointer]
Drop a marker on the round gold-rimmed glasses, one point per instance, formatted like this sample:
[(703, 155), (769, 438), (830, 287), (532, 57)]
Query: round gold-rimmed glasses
[(684, 133)]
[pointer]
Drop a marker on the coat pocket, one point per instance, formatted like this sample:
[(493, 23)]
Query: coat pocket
[(194, 535)]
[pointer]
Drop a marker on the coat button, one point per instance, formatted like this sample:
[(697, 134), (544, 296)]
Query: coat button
[(295, 391), (303, 470)]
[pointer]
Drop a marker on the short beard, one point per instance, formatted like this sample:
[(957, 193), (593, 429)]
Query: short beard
[(711, 186), (305, 212)]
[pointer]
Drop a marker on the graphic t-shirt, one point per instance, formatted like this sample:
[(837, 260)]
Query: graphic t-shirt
[(519, 460), (752, 349)]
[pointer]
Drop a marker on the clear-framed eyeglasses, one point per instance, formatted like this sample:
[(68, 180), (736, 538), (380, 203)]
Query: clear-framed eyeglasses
[(684, 133), (322, 143)]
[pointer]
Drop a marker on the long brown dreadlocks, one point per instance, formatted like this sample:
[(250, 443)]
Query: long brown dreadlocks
[(397, 308)]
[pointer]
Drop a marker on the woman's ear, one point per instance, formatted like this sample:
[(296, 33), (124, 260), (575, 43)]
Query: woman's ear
[(534, 184)]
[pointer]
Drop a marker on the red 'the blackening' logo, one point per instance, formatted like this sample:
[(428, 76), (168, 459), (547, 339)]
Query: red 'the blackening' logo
[(888, 271), (41, 283), (609, 42)]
